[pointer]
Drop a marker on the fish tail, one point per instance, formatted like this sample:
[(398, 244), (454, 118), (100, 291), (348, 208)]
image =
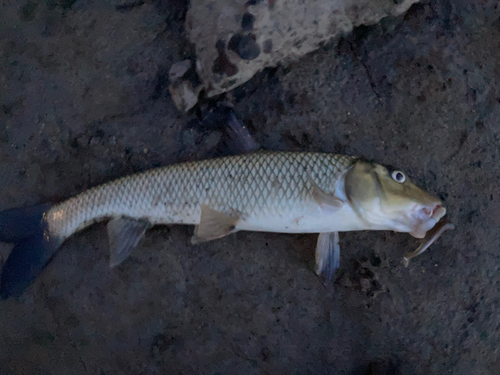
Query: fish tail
[(33, 247)]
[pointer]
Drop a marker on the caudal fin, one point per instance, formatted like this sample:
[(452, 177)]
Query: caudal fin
[(34, 246)]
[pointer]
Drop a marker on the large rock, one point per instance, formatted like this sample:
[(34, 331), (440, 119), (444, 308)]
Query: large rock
[(234, 39)]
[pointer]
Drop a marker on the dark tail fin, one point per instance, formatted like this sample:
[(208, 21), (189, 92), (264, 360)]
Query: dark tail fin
[(27, 229)]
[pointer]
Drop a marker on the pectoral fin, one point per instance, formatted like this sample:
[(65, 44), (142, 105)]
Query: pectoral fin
[(124, 234), (213, 225), (327, 254), (326, 200)]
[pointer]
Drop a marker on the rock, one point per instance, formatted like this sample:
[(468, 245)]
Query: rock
[(184, 95), (229, 55), (178, 70), (247, 22), (245, 46)]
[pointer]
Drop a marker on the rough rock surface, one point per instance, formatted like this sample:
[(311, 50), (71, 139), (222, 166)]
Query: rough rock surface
[(234, 39), (84, 99)]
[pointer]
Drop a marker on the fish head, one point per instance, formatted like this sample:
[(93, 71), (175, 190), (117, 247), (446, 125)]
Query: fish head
[(386, 199)]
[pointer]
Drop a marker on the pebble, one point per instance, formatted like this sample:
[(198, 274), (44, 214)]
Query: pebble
[(245, 46)]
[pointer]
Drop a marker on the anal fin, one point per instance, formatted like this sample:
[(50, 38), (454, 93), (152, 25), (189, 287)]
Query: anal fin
[(124, 234), (213, 225), (327, 254)]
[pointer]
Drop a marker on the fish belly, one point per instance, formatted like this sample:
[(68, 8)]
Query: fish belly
[(312, 220)]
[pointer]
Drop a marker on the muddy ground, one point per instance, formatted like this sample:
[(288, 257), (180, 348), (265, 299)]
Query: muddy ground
[(84, 99)]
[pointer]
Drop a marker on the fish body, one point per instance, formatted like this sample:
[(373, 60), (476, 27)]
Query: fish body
[(267, 192), (270, 192), (284, 192)]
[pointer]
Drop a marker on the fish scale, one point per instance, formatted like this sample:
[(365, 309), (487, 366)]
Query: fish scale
[(264, 184)]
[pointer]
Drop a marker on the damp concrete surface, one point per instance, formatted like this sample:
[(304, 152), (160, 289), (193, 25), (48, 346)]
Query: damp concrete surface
[(84, 99)]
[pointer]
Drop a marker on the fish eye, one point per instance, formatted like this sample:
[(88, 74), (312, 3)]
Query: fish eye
[(398, 176)]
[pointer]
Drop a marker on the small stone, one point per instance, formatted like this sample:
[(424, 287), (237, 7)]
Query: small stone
[(268, 46), (184, 95), (222, 65), (245, 46), (178, 70), (247, 22), (234, 42)]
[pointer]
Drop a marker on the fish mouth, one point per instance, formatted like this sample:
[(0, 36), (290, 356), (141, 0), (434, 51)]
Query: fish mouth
[(425, 218)]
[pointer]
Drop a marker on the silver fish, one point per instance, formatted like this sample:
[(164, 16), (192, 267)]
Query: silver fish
[(285, 192), (430, 238)]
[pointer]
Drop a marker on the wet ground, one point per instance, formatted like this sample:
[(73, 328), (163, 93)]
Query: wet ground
[(84, 99)]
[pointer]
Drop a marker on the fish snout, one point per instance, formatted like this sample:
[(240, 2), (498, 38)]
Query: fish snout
[(427, 216), (427, 211), (433, 211)]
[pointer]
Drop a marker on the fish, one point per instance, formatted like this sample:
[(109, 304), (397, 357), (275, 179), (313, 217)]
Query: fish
[(264, 191), (430, 238)]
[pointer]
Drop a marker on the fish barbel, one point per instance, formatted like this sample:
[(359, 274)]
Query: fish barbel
[(285, 192)]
